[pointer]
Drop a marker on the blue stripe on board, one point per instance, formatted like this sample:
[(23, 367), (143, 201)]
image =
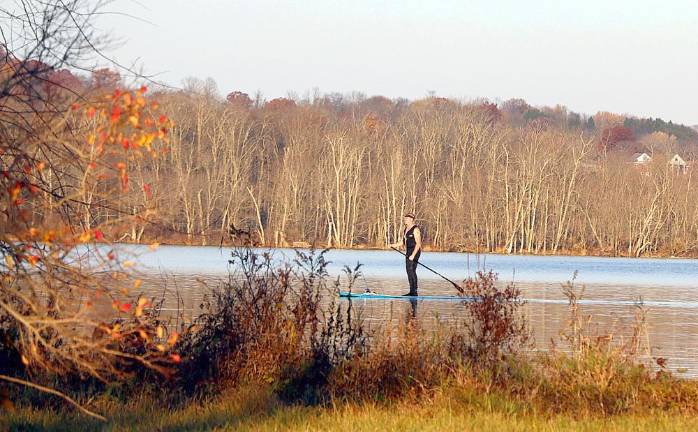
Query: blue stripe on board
[(373, 296)]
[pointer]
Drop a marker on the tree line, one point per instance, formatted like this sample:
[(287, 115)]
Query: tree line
[(340, 171)]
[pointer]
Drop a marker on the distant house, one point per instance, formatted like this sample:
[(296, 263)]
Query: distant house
[(641, 158), (678, 163)]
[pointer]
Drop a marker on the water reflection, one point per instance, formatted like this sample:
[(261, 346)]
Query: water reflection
[(626, 272)]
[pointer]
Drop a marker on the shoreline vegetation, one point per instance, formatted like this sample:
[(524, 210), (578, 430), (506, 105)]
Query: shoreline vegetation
[(265, 355)]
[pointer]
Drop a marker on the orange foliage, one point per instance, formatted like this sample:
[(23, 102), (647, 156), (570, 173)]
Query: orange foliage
[(101, 140), (612, 136)]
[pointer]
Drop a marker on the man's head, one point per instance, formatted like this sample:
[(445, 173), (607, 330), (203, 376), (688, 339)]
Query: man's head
[(408, 219)]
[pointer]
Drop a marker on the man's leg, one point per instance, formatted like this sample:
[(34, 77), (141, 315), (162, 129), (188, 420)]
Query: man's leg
[(409, 274), (412, 276)]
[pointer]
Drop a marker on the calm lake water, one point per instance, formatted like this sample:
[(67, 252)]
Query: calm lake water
[(668, 288)]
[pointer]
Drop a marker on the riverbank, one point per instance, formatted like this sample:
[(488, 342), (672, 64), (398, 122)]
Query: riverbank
[(181, 241)]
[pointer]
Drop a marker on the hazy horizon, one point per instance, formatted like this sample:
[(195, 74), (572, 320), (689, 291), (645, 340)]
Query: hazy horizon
[(630, 57)]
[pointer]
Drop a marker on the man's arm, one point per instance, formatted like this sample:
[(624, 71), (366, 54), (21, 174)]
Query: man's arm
[(418, 241)]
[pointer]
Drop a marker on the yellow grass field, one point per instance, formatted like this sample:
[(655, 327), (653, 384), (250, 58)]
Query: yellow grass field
[(257, 410)]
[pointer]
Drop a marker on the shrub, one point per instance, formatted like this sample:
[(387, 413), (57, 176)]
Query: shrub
[(268, 323), (495, 327)]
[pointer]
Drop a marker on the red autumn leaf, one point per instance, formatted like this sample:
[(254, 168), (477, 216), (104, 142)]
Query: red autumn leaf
[(99, 235), (143, 89), (124, 180), (146, 189), (176, 358), (91, 111), (115, 113), (125, 307), (15, 190)]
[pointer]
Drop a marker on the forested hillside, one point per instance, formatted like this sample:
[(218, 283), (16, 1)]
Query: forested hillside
[(340, 170)]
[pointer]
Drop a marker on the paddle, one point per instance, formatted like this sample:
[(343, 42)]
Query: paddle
[(458, 287)]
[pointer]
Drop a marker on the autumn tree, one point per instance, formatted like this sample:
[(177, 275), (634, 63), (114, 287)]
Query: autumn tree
[(239, 99), (279, 104), (490, 110), (612, 136), (105, 79), (65, 164)]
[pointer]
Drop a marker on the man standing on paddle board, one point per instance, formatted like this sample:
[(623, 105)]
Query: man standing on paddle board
[(412, 240)]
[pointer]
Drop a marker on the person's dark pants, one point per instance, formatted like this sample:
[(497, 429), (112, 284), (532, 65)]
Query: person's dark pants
[(411, 267)]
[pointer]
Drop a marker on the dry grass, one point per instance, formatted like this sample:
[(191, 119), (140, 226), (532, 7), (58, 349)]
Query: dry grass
[(454, 408)]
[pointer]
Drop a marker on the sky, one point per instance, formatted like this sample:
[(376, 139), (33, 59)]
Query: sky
[(636, 57)]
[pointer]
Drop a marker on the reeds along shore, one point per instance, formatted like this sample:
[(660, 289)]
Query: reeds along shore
[(283, 329)]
